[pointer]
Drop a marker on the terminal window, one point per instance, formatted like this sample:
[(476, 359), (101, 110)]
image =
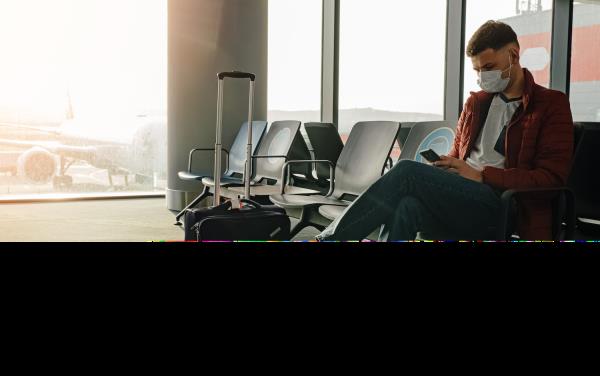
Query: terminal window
[(585, 65), (392, 61), (295, 39), (83, 96)]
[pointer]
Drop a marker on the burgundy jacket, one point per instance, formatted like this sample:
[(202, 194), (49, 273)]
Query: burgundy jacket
[(539, 149)]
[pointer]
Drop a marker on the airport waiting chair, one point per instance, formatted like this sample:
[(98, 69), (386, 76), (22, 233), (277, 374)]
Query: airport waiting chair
[(235, 161), (436, 135), (359, 165), (282, 142), (585, 182), (326, 145), (564, 208)]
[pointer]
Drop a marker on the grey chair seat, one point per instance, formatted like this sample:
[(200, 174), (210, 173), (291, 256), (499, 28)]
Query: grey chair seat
[(268, 190), (332, 212), (225, 182), (360, 164), (188, 176), (299, 202), (257, 189)]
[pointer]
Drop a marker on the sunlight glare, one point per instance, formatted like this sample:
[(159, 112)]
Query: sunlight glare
[(109, 56)]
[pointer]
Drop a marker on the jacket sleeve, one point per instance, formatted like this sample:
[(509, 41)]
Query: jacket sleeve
[(552, 157), (455, 150)]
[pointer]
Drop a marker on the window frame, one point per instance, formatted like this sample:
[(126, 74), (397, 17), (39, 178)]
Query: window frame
[(560, 68)]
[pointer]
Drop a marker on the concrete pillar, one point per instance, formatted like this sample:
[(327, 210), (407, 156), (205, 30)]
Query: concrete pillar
[(207, 37)]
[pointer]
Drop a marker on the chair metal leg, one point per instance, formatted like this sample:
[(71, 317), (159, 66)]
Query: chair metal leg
[(571, 216), (196, 201), (502, 227), (296, 230), (304, 223)]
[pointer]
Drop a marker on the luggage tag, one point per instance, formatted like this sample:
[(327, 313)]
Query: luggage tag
[(236, 204)]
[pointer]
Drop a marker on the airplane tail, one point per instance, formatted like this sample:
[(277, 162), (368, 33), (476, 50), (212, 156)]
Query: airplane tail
[(69, 114)]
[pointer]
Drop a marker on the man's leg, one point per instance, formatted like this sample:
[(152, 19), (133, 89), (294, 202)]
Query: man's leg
[(412, 217), (409, 218), (448, 199)]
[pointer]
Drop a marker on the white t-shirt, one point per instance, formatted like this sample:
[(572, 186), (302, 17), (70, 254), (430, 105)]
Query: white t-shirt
[(501, 113)]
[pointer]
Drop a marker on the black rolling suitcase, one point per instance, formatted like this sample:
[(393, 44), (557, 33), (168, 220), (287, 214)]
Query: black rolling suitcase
[(238, 219), (251, 222)]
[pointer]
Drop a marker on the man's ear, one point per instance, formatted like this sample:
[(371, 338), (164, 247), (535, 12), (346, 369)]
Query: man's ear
[(515, 55)]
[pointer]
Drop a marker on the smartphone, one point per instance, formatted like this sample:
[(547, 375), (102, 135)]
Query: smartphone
[(430, 155)]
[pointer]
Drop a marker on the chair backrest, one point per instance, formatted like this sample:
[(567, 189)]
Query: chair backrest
[(237, 153), (436, 135), (300, 151), (327, 145), (404, 132), (282, 139), (363, 157), (584, 179)]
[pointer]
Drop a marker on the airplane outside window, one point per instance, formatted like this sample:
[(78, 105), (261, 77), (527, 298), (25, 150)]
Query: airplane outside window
[(83, 96)]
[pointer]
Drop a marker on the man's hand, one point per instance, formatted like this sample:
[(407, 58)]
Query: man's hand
[(459, 167)]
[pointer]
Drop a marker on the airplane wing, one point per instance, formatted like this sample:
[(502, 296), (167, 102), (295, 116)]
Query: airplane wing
[(101, 154), (50, 130)]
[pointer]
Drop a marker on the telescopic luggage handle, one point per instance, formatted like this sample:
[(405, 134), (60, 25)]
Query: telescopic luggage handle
[(236, 74), (219, 146)]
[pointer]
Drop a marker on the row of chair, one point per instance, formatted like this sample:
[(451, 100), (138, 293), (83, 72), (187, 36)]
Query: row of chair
[(326, 177), (575, 206), (316, 184), (361, 163), (271, 149), (284, 142)]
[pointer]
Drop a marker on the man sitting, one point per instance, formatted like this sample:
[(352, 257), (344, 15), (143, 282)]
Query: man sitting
[(514, 134)]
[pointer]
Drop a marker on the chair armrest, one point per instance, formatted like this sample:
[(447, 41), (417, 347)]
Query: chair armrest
[(286, 170), (509, 195), (193, 151), (284, 157), (512, 192)]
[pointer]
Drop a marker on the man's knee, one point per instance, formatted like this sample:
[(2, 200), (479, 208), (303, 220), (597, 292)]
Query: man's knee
[(409, 207)]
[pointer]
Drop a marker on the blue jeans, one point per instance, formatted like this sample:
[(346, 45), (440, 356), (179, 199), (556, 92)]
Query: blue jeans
[(414, 197)]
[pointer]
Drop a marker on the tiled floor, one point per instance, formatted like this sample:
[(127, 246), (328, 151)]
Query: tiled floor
[(139, 220), (105, 221)]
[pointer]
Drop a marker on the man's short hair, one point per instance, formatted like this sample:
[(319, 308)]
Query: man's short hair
[(492, 34)]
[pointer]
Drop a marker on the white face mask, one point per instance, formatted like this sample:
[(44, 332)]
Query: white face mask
[(492, 81)]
